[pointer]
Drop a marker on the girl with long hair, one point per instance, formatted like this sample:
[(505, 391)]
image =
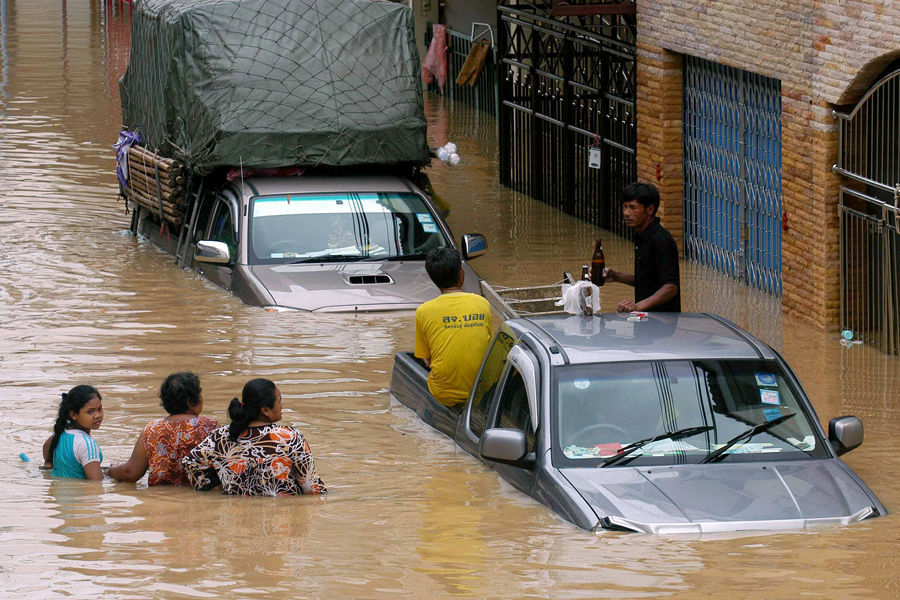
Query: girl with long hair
[(71, 451)]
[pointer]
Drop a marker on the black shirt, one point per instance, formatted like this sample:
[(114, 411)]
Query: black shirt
[(656, 264)]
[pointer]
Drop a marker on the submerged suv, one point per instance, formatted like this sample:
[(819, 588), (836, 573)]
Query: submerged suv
[(678, 423), (325, 243)]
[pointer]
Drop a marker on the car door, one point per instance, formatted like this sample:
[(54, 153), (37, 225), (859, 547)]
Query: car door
[(475, 418), (516, 407), (222, 228)]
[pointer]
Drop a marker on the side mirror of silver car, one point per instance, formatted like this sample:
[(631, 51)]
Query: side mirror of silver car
[(845, 433), (473, 245), (506, 446), (212, 252)]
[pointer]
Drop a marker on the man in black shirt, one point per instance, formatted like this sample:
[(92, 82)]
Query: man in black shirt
[(655, 279)]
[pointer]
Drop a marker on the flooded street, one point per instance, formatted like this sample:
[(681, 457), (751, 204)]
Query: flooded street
[(408, 513)]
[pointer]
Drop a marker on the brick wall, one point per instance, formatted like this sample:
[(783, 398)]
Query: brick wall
[(825, 53), (659, 126)]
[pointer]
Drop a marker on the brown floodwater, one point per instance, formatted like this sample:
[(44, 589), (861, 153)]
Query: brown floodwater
[(408, 513)]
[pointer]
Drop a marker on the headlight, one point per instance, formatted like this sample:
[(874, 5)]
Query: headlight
[(276, 309)]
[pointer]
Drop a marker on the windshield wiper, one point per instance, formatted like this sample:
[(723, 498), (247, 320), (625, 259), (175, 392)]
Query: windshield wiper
[(718, 453), (669, 435), (413, 256), (326, 258)]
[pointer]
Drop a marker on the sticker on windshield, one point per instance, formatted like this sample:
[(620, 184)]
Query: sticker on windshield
[(766, 379), (428, 225), (771, 413), (769, 397), (582, 384)]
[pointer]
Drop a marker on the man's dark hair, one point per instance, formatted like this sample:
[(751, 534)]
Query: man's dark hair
[(645, 193), (443, 265)]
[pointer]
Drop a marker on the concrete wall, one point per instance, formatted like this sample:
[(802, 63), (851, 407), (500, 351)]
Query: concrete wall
[(460, 14), (826, 53)]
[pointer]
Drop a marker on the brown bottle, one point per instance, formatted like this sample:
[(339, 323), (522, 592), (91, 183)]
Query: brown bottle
[(585, 301), (598, 263)]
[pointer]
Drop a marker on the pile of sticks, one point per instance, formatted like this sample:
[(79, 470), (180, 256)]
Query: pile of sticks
[(156, 184)]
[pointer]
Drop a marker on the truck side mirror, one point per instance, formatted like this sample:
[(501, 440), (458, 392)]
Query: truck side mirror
[(506, 446), (209, 251), (473, 245), (845, 433)]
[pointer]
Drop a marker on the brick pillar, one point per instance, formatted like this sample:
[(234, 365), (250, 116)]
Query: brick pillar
[(659, 131), (811, 245)]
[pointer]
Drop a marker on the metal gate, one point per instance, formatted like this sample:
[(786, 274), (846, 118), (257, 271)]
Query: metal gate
[(869, 211), (565, 88), (484, 94), (732, 172)]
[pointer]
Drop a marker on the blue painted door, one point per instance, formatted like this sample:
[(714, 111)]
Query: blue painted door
[(732, 172)]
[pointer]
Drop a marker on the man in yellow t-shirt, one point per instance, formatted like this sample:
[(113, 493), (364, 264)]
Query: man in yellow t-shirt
[(452, 331)]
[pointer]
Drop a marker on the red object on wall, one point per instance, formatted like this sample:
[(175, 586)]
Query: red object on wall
[(658, 172), (434, 67), (784, 221)]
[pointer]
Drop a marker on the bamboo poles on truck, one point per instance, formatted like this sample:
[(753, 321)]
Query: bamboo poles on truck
[(156, 184)]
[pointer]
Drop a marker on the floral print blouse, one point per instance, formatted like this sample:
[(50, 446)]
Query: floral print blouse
[(167, 442), (269, 460)]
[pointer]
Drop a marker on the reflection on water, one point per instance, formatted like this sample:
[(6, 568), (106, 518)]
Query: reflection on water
[(408, 513)]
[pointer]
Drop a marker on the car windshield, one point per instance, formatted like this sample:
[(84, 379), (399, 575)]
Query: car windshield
[(599, 409), (342, 227)]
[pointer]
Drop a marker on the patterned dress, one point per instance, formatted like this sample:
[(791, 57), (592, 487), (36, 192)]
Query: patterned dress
[(167, 442), (269, 460)]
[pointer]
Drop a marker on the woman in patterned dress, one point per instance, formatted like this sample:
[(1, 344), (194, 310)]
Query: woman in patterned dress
[(164, 442), (254, 456)]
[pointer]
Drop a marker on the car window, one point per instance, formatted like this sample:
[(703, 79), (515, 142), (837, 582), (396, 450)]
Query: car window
[(513, 411), (342, 227), (487, 381), (598, 409), (222, 227)]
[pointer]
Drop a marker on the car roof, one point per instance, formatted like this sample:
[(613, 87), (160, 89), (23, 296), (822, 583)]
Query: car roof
[(613, 337), (317, 184)]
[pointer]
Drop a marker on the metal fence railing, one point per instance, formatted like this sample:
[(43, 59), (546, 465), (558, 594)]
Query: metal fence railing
[(870, 269), (869, 212), (483, 95), (567, 115)]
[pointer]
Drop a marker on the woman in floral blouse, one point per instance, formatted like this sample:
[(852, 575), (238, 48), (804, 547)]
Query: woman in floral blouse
[(253, 456), (164, 442)]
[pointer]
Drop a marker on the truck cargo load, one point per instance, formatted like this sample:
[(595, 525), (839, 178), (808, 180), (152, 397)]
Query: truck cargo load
[(273, 83)]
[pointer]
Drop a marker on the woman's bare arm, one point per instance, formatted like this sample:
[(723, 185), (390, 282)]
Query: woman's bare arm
[(136, 466)]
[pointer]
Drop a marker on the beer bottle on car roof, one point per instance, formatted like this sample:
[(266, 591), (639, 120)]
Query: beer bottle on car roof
[(598, 263)]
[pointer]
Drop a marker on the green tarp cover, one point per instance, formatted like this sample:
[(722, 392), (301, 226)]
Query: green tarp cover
[(273, 83)]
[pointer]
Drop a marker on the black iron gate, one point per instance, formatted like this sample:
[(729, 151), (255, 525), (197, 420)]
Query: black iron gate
[(566, 89), (869, 211)]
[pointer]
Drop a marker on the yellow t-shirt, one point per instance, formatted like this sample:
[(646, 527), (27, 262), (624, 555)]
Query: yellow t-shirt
[(453, 331)]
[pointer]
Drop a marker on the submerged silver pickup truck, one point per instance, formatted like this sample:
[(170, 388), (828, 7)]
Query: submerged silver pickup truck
[(320, 243), (674, 423)]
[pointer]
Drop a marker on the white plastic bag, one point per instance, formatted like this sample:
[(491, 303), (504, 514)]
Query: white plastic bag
[(580, 298)]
